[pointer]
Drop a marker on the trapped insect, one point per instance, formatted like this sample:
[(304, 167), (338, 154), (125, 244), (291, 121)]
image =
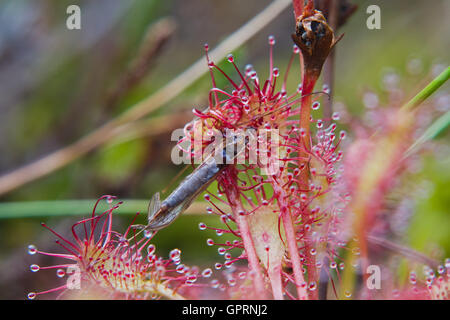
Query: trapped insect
[(161, 214)]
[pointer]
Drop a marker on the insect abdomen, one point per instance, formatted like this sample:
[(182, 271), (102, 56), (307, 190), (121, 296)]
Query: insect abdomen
[(194, 183)]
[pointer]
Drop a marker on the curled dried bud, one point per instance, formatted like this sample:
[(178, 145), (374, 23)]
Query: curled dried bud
[(315, 38)]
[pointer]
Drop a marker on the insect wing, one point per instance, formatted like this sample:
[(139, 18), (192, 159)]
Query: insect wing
[(154, 206)]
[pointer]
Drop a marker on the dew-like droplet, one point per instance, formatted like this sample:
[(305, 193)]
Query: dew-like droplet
[(180, 268), (312, 286), (175, 254), (230, 58), (370, 100), (32, 249), (333, 265), (34, 268), (335, 116), (347, 294), (332, 138), (248, 68), (215, 283), (210, 242), (218, 266), (151, 249), (412, 277), (207, 197), (441, 269), (224, 218), (148, 233), (276, 72), (241, 213), (32, 295), (60, 273), (189, 283), (315, 105), (202, 226), (271, 40), (414, 66), (221, 251), (207, 273)]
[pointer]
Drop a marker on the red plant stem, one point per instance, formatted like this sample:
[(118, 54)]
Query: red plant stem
[(298, 7), (309, 80), (308, 83), (328, 79), (293, 253), (249, 246), (311, 264), (291, 242), (275, 281), (328, 67)]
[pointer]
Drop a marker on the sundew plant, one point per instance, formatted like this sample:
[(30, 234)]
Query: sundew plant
[(300, 197)]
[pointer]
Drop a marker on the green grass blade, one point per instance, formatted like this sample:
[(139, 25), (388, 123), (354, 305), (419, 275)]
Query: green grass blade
[(436, 128), (428, 90), (63, 208)]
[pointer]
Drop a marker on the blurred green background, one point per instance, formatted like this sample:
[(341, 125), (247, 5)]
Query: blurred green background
[(55, 85)]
